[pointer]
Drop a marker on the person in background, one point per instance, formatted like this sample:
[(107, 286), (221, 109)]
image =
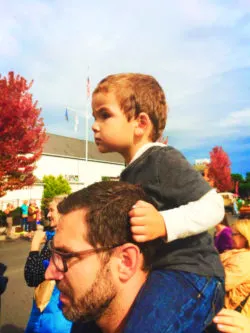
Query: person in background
[(223, 236), (51, 320), (32, 212), (237, 269), (9, 220), (24, 210), (38, 215)]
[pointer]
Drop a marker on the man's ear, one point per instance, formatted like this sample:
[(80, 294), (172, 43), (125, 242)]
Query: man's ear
[(143, 123), (129, 261)]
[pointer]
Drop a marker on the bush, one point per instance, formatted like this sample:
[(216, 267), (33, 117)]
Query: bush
[(53, 186)]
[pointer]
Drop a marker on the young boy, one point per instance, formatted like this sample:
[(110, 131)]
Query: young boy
[(130, 114)]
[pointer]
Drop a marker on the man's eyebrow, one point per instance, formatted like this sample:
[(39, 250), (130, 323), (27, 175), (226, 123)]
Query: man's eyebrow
[(63, 248)]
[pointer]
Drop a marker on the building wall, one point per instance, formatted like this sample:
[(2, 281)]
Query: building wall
[(85, 174)]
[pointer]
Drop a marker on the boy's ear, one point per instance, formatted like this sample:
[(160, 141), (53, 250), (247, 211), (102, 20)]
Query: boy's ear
[(143, 123)]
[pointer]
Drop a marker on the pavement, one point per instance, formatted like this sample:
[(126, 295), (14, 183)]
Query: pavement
[(16, 301), (14, 234)]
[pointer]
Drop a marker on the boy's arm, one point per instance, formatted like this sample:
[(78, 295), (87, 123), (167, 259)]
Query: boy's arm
[(194, 217), (187, 220)]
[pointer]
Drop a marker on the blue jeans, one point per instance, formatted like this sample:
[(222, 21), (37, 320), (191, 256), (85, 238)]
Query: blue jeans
[(24, 223), (175, 302)]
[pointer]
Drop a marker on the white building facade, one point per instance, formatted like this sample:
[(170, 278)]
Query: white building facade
[(66, 156)]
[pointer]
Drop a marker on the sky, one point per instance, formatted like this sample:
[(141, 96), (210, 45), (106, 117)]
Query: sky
[(198, 50)]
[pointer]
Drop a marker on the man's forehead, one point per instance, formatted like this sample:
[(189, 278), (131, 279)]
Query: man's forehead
[(72, 226)]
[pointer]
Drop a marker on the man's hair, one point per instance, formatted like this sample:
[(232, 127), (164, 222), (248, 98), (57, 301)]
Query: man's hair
[(138, 93), (243, 227), (108, 204)]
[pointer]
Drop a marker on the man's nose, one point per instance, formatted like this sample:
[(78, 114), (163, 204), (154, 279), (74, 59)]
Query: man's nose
[(52, 273)]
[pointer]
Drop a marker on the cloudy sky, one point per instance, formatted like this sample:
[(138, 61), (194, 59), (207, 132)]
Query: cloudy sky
[(199, 50)]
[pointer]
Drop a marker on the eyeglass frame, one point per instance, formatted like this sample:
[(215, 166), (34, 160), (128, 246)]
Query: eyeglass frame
[(67, 255)]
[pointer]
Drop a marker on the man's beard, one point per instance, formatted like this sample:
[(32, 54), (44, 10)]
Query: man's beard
[(94, 302)]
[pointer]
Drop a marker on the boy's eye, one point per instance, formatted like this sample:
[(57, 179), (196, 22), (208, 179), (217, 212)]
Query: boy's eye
[(104, 114)]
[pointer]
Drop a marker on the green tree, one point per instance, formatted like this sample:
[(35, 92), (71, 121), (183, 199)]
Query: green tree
[(54, 186), (248, 177), (237, 177)]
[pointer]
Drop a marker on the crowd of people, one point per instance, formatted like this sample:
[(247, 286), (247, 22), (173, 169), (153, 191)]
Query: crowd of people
[(136, 255), (30, 218)]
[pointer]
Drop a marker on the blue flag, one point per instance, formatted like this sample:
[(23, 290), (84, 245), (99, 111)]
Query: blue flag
[(66, 115)]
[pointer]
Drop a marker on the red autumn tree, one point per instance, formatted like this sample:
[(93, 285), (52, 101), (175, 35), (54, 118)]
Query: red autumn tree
[(219, 171), (22, 133)]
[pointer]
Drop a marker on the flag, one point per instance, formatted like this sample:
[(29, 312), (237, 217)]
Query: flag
[(66, 115), (88, 87), (76, 123)]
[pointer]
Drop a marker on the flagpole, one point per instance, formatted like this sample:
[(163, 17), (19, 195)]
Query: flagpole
[(86, 116)]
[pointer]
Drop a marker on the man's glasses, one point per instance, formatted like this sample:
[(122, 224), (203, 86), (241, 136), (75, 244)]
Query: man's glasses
[(60, 258)]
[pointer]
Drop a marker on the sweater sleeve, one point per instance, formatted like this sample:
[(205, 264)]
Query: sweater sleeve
[(193, 207), (194, 217), (34, 269)]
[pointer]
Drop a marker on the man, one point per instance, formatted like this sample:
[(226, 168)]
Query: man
[(98, 268), (102, 274)]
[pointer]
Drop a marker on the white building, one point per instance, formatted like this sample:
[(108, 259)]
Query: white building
[(202, 161), (67, 156)]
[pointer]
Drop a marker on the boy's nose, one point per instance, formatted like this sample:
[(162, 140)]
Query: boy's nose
[(52, 272), (95, 127)]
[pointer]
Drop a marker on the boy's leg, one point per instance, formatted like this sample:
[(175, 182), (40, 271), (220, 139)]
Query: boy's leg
[(175, 301)]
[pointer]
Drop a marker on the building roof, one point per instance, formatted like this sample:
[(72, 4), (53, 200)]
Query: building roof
[(58, 145)]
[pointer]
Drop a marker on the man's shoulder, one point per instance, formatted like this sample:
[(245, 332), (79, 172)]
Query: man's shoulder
[(80, 327)]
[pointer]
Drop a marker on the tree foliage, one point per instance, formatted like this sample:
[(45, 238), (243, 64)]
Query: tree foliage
[(244, 184), (219, 170), (22, 133), (237, 177), (54, 186)]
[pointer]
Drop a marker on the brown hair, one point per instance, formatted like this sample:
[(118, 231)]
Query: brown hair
[(138, 93), (108, 204)]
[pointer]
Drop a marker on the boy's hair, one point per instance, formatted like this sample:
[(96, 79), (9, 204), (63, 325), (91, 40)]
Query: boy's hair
[(138, 93)]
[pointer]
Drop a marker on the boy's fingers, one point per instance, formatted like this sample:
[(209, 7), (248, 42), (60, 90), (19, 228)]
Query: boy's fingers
[(138, 230), (141, 204), (138, 211), (137, 221), (139, 238)]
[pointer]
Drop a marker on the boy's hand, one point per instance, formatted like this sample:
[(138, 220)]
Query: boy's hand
[(146, 222)]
